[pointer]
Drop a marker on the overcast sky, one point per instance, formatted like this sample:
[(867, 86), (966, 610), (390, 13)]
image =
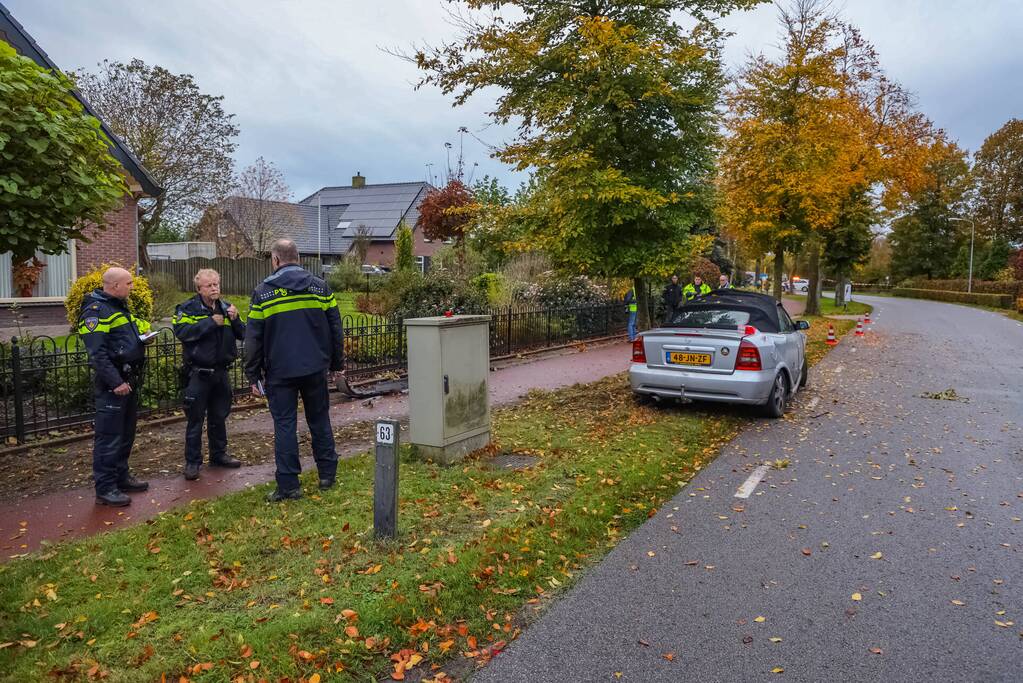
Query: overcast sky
[(313, 92)]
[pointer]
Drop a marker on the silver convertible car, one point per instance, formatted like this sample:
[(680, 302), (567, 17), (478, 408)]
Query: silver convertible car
[(731, 346)]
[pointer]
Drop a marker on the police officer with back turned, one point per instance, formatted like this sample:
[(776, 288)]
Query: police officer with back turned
[(293, 337), (209, 330), (112, 338)]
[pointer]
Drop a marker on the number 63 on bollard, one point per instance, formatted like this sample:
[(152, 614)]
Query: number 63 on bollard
[(385, 480)]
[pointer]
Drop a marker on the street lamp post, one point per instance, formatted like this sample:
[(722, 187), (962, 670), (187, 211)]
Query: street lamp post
[(969, 281)]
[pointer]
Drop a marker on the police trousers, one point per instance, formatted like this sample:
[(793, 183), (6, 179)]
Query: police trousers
[(207, 399), (114, 435), (282, 395)]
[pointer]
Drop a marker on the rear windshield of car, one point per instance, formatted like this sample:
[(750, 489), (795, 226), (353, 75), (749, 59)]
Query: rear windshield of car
[(711, 318)]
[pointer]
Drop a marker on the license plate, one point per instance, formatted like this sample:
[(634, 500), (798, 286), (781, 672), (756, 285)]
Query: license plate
[(680, 358)]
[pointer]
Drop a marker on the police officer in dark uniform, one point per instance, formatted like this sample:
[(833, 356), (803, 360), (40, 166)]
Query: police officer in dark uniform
[(293, 337), (209, 330), (112, 337)]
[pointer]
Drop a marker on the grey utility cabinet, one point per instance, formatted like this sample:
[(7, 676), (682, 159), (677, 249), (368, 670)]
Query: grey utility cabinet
[(449, 402)]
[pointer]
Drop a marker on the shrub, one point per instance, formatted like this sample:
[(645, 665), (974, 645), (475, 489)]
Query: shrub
[(404, 257), (703, 267), (348, 277), (166, 295), (994, 300), (960, 285), (494, 286), (386, 300), (552, 290), (140, 302), (438, 292)]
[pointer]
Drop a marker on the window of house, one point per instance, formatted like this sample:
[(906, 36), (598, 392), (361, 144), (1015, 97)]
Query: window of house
[(221, 230), (55, 280), (421, 264)]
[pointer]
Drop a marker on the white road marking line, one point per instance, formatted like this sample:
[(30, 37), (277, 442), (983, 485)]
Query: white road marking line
[(812, 403), (747, 486)]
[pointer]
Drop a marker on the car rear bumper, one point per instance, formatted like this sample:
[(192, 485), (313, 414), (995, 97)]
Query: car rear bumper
[(738, 387)]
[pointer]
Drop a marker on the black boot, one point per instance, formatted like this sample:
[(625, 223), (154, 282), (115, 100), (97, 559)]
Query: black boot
[(133, 485), (191, 471), (327, 483), (277, 496), (113, 498), (225, 461)]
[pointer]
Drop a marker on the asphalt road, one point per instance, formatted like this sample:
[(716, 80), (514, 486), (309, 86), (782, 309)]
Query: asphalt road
[(934, 486)]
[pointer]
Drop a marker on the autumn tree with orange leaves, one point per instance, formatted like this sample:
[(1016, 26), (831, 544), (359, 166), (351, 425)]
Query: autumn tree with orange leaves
[(817, 139)]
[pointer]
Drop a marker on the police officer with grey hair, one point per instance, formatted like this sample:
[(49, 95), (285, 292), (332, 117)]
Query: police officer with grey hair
[(209, 329)]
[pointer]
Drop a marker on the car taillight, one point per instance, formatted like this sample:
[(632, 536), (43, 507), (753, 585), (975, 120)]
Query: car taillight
[(749, 357), (638, 352)]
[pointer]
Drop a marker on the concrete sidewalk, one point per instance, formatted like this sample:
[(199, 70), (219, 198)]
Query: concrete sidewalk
[(28, 522)]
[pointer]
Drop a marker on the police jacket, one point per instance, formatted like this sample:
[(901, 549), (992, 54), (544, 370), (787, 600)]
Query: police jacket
[(690, 292), (207, 344), (111, 336), (293, 328)]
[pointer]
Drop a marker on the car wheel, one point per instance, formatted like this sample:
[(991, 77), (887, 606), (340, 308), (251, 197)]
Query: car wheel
[(804, 376), (775, 406)]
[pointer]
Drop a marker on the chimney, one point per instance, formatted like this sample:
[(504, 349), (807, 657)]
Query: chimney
[(358, 180)]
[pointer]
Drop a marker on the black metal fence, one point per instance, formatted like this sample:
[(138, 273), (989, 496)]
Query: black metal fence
[(46, 384)]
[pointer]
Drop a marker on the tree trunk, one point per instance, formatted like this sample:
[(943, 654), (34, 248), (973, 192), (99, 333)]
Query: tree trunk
[(779, 270), (813, 292), (643, 302), (839, 289)]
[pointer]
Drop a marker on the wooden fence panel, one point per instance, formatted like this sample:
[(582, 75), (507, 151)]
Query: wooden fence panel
[(237, 276)]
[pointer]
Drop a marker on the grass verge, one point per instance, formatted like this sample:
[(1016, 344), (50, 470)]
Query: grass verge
[(233, 587), (828, 306)]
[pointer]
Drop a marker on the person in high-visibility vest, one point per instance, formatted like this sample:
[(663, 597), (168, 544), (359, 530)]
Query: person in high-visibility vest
[(632, 306), (695, 288), (723, 282)]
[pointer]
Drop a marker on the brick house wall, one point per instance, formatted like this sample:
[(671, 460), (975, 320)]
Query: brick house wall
[(118, 243), (382, 253)]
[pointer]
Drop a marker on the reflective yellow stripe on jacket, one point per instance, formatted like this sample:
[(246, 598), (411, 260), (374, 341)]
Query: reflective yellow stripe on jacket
[(293, 302)]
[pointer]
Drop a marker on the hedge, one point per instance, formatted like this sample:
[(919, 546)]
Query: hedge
[(994, 300), (979, 286)]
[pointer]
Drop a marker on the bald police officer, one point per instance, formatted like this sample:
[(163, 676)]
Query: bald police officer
[(209, 329), (116, 353), (292, 338)]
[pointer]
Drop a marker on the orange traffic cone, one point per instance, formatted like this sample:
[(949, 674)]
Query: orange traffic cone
[(859, 327), (866, 320), (831, 341)]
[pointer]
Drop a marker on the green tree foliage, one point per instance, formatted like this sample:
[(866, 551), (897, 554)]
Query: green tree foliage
[(998, 169), (488, 236), (924, 240), (615, 105), (849, 242), (56, 172), (404, 258), (182, 136), (878, 264)]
